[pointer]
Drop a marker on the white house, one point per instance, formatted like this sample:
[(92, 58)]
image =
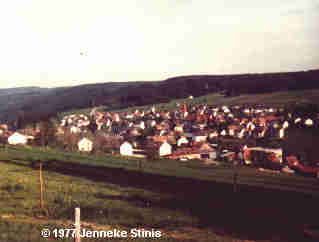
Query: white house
[(126, 149), (308, 122), (153, 123), (241, 134), (129, 116), (231, 132), (285, 124), (165, 149), (200, 138), (213, 134), (117, 118), (277, 153), (181, 141), (223, 133), (85, 145), (281, 133), (17, 138), (297, 120), (179, 129), (142, 125), (75, 130), (99, 123)]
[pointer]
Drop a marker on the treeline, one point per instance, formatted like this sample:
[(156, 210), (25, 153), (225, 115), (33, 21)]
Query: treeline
[(125, 94), (243, 83)]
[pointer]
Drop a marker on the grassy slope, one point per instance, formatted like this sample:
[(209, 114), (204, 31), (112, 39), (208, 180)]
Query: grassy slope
[(194, 169), (20, 203), (128, 198), (101, 203)]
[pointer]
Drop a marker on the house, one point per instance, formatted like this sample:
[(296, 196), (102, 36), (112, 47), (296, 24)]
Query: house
[(206, 151), (153, 123), (4, 127), (179, 129), (308, 122), (200, 136), (272, 155), (75, 130), (165, 149), (213, 134), (232, 129), (159, 138), (182, 140), (142, 125), (281, 133), (85, 145), (285, 124), (297, 120), (17, 138), (60, 131), (205, 147), (186, 153), (126, 149), (134, 132)]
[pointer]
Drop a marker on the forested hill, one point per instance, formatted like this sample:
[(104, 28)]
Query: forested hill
[(125, 94)]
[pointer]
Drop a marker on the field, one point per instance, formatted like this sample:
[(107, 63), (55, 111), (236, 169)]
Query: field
[(186, 201)]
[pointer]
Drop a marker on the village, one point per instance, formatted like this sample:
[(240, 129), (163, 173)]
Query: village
[(246, 134)]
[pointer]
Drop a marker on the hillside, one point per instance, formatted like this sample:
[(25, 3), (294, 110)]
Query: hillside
[(119, 95), (192, 200), (13, 99), (274, 99)]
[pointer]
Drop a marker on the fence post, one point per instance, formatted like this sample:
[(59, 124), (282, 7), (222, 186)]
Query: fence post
[(235, 175), (235, 181), (41, 187), (77, 224)]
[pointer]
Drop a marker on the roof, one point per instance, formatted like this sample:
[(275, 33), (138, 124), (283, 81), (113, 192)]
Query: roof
[(85, 140)]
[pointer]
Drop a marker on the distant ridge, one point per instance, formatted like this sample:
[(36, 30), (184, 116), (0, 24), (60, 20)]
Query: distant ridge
[(116, 95)]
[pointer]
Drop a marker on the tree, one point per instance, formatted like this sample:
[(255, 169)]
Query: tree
[(20, 120), (47, 134)]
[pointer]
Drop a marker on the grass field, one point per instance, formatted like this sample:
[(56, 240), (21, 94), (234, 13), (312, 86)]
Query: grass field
[(186, 201)]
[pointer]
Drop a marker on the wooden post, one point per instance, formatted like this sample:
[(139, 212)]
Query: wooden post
[(41, 187), (235, 176), (235, 182), (77, 223)]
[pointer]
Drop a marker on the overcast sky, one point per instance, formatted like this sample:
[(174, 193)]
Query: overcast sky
[(41, 40)]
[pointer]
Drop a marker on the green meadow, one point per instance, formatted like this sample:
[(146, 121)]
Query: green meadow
[(187, 201)]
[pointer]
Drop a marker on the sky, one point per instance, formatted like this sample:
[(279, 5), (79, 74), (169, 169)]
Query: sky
[(143, 40)]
